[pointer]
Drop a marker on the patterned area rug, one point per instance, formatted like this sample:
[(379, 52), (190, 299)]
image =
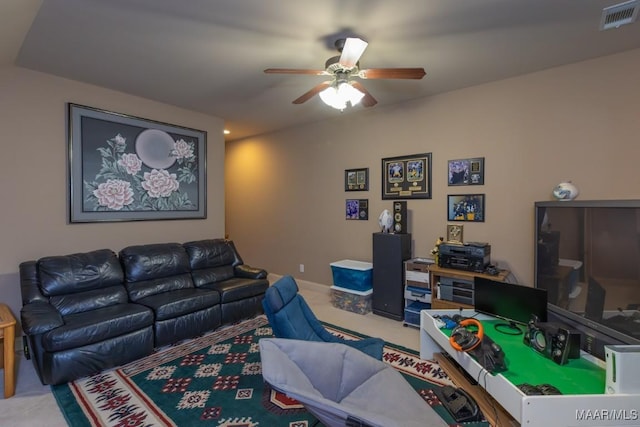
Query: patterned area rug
[(215, 380)]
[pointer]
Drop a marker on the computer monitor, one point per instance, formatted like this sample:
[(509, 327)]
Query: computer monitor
[(514, 303)]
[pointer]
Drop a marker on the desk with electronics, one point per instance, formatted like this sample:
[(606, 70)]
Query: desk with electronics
[(534, 370), (495, 341)]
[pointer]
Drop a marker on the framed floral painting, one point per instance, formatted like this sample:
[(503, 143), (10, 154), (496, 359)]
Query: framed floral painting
[(124, 168)]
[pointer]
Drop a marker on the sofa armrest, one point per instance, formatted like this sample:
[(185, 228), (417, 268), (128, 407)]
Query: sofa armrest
[(249, 272), (39, 317)]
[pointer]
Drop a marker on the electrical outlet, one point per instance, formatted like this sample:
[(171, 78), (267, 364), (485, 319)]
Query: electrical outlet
[(301, 268)]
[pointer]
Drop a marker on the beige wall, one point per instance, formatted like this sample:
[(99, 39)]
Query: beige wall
[(33, 167), (285, 191)]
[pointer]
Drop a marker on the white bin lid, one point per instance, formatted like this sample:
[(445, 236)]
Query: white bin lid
[(352, 265), (351, 291)]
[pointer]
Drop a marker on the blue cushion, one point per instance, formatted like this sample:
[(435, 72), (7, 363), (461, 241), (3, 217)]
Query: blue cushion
[(282, 292)]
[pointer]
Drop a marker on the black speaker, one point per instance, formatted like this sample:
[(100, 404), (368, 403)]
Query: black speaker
[(400, 220), (565, 344), (553, 341)]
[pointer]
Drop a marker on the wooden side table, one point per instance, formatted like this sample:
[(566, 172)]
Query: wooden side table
[(7, 356)]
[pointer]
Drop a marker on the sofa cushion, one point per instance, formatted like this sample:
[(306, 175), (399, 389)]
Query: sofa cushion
[(209, 275), (155, 269), (147, 288), (238, 288), (177, 303), (85, 328), (79, 272), (212, 253), (145, 262), (89, 300)]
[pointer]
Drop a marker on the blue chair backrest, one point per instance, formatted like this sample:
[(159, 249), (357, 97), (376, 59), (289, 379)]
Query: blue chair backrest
[(289, 314)]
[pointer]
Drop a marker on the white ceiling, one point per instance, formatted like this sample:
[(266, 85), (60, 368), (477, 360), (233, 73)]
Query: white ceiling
[(209, 55)]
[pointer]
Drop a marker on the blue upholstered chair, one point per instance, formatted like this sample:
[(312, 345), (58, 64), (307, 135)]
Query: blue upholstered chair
[(291, 317)]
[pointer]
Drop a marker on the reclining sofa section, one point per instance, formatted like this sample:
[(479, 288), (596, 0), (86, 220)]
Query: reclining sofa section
[(87, 312)]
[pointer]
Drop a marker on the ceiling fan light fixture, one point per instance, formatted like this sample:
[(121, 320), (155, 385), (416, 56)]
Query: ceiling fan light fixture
[(338, 94), (330, 97), (350, 93)]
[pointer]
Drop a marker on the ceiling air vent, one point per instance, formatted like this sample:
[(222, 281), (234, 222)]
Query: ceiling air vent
[(619, 14)]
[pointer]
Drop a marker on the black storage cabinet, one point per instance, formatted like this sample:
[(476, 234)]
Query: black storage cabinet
[(389, 253)]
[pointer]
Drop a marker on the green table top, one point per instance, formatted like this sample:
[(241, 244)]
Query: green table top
[(525, 365)]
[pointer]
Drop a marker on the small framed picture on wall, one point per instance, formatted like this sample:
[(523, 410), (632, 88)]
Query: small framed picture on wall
[(356, 179), (466, 171), (357, 209), (466, 207)]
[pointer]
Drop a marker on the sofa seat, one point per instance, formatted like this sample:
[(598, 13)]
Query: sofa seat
[(77, 317), (93, 326), (238, 288), (168, 305), (159, 276), (216, 264)]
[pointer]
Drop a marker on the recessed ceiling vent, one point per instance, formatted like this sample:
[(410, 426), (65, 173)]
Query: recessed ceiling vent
[(619, 14)]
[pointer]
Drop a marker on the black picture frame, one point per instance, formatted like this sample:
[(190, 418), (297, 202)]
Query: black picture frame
[(465, 171), (356, 179), (466, 207), (406, 177), (357, 209), (126, 168)]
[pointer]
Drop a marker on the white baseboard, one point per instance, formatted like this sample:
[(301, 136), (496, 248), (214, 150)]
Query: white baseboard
[(301, 283)]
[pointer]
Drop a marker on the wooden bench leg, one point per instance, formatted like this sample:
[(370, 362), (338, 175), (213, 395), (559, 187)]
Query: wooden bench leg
[(9, 361)]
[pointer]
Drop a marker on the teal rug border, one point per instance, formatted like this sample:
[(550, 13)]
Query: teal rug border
[(73, 414)]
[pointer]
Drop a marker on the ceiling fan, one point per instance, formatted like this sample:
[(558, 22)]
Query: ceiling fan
[(341, 89)]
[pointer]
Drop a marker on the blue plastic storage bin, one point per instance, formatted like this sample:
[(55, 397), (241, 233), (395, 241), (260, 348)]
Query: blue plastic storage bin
[(355, 275), (412, 312)]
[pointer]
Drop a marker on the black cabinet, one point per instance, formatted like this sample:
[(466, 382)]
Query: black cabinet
[(389, 253)]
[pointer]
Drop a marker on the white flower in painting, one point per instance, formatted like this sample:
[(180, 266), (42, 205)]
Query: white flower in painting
[(182, 149), (131, 163), (114, 194), (160, 183), (119, 139)]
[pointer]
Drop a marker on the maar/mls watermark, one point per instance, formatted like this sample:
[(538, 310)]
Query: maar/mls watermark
[(607, 414)]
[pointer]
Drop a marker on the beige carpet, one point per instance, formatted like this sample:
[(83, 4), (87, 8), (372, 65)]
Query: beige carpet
[(34, 404)]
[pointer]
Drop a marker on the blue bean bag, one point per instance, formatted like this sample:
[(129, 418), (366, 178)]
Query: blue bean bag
[(337, 383)]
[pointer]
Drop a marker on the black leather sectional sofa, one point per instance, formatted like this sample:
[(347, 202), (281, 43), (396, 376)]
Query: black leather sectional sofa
[(87, 312)]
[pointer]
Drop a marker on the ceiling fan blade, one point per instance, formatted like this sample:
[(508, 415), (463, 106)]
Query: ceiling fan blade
[(295, 71), (311, 93), (392, 73), (367, 100), (352, 51)]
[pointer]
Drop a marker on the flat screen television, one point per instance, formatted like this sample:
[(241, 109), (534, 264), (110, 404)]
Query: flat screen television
[(514, 303), (587, 257)]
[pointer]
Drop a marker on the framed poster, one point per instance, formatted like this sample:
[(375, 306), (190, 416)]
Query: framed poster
[(407, 177), (466, 171), (357, 209), (356, 179), (124, 168), (465, 207)]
